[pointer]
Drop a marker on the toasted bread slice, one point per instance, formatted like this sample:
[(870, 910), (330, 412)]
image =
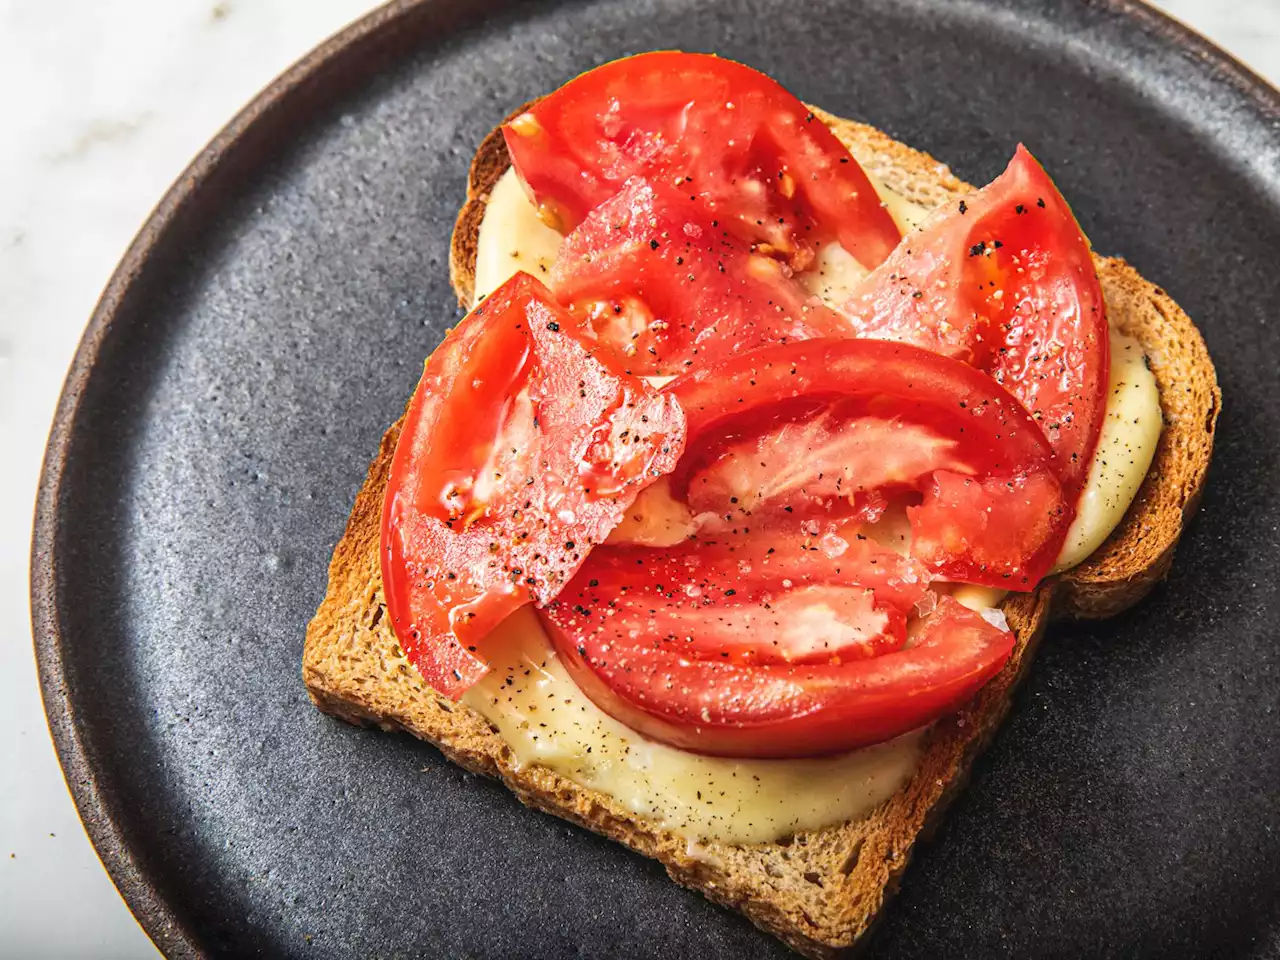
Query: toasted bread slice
[(819, 890)]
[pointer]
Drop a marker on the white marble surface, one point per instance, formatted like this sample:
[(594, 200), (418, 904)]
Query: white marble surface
[(104, 102)]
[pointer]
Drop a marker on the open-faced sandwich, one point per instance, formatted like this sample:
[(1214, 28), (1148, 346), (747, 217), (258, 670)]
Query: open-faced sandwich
[(727, 520)]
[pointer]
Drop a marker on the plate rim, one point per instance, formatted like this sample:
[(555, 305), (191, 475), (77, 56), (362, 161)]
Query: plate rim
[(149, 906)]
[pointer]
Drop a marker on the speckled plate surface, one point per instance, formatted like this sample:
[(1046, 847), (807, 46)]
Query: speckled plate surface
[(269, 323)]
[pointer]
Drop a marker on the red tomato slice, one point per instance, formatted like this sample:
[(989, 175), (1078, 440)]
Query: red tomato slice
[(754, 156), (656, 279), (687, 649), (1004, 280), (522, 447), (808, 428)]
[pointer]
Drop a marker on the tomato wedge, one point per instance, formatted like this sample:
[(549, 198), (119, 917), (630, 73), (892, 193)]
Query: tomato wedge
[(830, 428), (656, 280), (754, 156), (521, 448), (1004, 280), (793, 654)]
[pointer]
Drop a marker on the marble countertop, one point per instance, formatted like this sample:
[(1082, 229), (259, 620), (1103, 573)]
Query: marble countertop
[(106, 101)]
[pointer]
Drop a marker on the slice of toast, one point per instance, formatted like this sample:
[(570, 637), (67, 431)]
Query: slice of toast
[(818, 890)]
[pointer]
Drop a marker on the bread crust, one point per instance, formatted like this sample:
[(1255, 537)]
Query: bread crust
[(821, 890)]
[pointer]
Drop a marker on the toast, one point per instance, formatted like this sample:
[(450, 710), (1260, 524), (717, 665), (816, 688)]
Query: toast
[(820, 890)]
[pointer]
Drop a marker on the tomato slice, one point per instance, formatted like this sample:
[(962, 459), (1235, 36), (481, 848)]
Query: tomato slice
[(521, 448), (1004, 280), (796, 657), (657, 280), (830, 428), (752, 154)]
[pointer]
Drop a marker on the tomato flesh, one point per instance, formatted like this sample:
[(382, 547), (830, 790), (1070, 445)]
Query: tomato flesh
[(652, 277), (839, 462), (968, 523), (522, 447), (831, 428), (1004, 280), (697, 601), (751, 153), (762, 664)]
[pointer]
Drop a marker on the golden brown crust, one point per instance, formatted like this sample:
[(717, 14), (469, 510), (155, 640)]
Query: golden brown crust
[(821, 890)]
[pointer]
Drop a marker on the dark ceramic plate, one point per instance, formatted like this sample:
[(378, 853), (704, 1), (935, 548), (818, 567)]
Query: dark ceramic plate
[(269, 323)]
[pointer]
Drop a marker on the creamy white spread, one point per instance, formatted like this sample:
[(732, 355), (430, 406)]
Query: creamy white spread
[(547, 720), (512, 238), (1126, 446)]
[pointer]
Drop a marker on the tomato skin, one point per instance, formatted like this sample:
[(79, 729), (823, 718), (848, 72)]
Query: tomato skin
[(984, 429), (1005, 281), (521, 448), (778, 709), (751, 152), (669, 288)]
